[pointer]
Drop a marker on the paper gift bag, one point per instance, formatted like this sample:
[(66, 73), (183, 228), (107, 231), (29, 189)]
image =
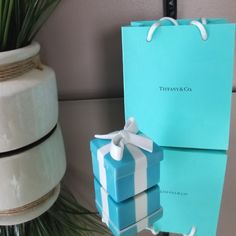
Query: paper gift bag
[(191, 191), (178, 80)]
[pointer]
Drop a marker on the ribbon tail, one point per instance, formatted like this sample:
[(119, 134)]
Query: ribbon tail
[(141, 142), (106, 136)]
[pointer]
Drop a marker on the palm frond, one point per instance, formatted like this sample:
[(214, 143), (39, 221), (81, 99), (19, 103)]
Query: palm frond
[(20, 21)]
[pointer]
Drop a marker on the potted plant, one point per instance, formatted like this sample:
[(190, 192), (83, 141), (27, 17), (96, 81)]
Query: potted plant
[(28, 118)]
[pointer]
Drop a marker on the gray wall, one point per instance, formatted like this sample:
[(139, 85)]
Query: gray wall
[(81, 41)]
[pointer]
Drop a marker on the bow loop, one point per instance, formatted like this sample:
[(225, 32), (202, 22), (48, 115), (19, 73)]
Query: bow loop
[(126, 136), (131, 126)]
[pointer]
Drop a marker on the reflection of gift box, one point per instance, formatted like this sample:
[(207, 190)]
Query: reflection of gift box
[(125, 216), (136, 172)]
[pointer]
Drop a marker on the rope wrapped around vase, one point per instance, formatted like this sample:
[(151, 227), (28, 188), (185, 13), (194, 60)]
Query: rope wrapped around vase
[(28, 206), (15, 69)]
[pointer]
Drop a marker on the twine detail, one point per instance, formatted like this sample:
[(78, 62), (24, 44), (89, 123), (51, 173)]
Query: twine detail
[(28, 206), (13, 70)]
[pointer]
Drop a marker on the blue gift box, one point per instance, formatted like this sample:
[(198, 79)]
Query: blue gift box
[(122, 218), (138, 170)]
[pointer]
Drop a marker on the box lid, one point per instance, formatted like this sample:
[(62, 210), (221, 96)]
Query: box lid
[(128, 164)]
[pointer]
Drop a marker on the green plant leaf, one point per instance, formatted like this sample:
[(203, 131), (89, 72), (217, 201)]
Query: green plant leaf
[(7, 22), (20, 21)]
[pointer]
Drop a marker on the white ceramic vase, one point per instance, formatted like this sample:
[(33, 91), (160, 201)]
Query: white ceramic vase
[(32, 155), (28, 103), (27, 176)]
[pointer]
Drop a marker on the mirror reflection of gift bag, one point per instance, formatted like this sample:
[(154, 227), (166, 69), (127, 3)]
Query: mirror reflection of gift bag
[(191, 190), (178, 81)]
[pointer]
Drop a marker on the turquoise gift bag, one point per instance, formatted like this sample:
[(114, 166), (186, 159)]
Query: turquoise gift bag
[(191, 191), (178, 80)]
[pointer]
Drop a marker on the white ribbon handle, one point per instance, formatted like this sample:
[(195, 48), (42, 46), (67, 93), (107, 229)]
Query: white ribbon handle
[(192, 233), (153, 231), (156, 232), (157, 24), (204, 20), (126, 136), (201, 28), (199, 25)]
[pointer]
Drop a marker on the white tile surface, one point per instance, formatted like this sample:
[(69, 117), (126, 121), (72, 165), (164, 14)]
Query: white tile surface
[(82, 119)]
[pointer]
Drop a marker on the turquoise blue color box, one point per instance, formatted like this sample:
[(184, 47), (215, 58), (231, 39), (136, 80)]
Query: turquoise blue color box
[(191, 191), (178, 85), (136, 172), (131, 216), (130, 211)]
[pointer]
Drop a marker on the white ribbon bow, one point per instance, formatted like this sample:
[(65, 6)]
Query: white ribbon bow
[(126, 136)]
